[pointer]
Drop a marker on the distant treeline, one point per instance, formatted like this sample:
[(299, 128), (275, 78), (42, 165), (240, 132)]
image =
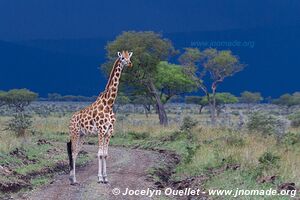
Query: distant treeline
[(247, 97), (222, 98), (59, 97)]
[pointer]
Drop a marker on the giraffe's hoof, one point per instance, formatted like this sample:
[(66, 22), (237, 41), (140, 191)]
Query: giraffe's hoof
[(103, 181), (74, 183)]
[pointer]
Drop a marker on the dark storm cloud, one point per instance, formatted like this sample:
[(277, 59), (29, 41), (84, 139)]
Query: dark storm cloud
[(33, 19)]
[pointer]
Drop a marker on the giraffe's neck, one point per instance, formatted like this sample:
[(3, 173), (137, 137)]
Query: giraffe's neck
[(111, 89), (113, 77)]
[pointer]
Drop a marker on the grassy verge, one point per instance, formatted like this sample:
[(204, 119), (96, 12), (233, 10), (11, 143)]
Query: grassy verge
[(33, 164), (205, 152), (256, 158)]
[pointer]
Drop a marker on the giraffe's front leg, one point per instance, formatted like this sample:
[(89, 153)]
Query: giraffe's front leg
[(103, 152), (100, 158), (105, 148), (104, 172), (100, 164)]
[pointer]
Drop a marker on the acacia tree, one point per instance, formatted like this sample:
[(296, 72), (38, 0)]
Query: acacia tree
[(250, 97), (148, 49), (217, 64), (195, 100), (122, 99), (18, 99), (222, 98), (171, 81), (288, 99), (144, 100)]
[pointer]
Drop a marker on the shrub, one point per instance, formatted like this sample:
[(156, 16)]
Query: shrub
[(267, 124), (173, 137), (228, 160), (259, 122), (268, 159), (188, 124), (191, 151), (295, 119), (138, 136), (235, 141), (291, 138), (19, 123)]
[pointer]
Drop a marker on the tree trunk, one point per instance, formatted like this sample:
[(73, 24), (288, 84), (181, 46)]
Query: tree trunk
[(200, 109), (213, 114), (163, 119), (146, 110), (213, 106)]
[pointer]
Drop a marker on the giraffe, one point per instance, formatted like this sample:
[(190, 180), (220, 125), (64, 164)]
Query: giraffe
[(97, 118)]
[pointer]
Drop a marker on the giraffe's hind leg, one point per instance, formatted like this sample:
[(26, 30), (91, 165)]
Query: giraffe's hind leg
[(100, 158), (76, 144), (105, 149)]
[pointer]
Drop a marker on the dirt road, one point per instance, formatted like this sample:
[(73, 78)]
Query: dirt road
[(127, 168)]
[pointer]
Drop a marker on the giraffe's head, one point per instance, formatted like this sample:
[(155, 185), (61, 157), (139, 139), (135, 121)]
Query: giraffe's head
[(125, 58)]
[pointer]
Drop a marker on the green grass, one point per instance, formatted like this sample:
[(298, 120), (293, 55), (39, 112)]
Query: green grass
[(210, 148), (55, 136), (224, 147), (231, 180), (83, 159), (36, 151), (37, 161), (38, 181), (8, 159)]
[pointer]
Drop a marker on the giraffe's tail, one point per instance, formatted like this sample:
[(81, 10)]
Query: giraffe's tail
[(69, 148)]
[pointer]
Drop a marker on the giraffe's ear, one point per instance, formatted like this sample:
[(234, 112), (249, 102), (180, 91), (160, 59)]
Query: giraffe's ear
[(119, 54), (130, 54)]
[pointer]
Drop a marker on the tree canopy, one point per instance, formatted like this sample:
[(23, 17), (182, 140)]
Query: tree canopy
[(217, 64), (221, 99), (171, 81), (288, 99), (193, 100), (250, 97), (18, 98), (122, 99), (149, 49)]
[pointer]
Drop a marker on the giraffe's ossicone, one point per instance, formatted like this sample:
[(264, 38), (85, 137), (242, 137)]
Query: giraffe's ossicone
[(98, 118)]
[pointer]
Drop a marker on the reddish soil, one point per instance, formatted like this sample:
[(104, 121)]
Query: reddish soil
[(127, 168)]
